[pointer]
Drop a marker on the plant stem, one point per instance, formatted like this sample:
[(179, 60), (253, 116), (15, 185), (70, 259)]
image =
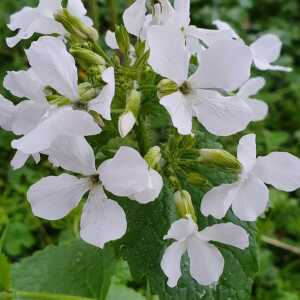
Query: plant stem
[(279, 244), (93, 10), (111, 5)]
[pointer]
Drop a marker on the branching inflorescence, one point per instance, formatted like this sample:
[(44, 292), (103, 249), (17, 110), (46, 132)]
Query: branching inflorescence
[(74, 90)]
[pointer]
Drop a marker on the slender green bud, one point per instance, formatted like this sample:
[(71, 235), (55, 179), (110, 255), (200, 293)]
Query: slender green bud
[(58, 100), (197, 179), (219, 158), (134, 102), (166, 87), (153, 157), (123, 39), (87, 56), (75, 26), (86, 91), (184, 204)]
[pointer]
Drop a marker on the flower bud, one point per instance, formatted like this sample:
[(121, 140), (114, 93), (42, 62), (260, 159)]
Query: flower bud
[(166, 87), (75, 26), (153, 157), (126, 123), (219, 158), (184, 204), (87, 56), (134, 102), (86, 91), (197, 179)]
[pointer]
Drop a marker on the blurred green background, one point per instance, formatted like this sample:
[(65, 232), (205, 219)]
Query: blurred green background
[(279, 253)]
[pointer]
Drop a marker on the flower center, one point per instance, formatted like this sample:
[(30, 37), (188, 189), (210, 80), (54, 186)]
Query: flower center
[(186, 88)]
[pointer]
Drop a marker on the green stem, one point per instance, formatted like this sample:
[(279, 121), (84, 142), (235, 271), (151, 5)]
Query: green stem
[(93, 10), (280, 244), (38, 296), (3, 238), (112, 8)]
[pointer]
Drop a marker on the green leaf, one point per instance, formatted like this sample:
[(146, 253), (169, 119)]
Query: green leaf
[(121, 292), (4, 273), (71, 269)]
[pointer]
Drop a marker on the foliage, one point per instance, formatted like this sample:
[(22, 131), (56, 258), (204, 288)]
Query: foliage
[(279, 274)]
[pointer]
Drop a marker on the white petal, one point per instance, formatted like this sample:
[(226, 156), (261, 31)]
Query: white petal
[(246, 151), (25, 84), (252, 199), (110, 40), (76, 8), (222, 116), (180, 111), (7, 111), (206, 261), (28, 114), (30, 20), (134, 17), (19, 160), (227, 233), (125, 174), (153, 190), (54, 197), (221, 25), (251, 87), (259, 108), (54, 65), (103, 220), (218, 200), (102, 103), (126, 123), (168, 55), (61, 122), (280, 169), (265, 51), (72, 153), (225, 65), (181, 229), (182, 10), (170, 263), (208, 36)]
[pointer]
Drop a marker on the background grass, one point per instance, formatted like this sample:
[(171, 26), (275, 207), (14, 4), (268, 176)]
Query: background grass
[(279, 275)]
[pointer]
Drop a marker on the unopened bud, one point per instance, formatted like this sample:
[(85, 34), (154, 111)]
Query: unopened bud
[(87, 56), (219, 158), (184, 204), (126, 123), (134, 102), (86, 91), (166, 87), (153, 157), (197, 179), (75, 26)]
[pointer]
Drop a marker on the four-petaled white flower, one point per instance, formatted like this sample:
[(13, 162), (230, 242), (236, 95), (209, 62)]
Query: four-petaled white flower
[(42, 19), (249, 195), (103, 220), (206, 261), (224, 66), (265, 50), (55, 67)]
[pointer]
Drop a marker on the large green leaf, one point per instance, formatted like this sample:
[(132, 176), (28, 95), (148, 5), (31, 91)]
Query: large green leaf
[(71, 269)]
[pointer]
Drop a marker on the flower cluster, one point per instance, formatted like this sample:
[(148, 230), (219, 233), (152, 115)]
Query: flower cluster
[(73, 90)]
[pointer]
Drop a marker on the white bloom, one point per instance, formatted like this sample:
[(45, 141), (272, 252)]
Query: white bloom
[(111, 40), (42, 19), (251, 88), (126, 123), (206, 261), (102, 219), (265, 50), (249, 195), (224, 66)]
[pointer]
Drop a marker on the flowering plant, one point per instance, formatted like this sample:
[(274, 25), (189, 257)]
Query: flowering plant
[(134, 128)]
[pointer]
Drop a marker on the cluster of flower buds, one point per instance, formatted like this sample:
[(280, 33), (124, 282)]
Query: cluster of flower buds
[(69, 92)]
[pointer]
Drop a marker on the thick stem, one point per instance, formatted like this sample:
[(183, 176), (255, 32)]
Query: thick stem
[(93, 11), (112, 8)]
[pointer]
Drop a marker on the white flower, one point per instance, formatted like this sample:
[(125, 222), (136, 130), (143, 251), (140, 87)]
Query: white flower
[(206, 261), (251, 88), (265, 50), (55, 67), (102, 219), (249, 195), (224, 66), (41, 19), (111, 40), (138, 22)]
